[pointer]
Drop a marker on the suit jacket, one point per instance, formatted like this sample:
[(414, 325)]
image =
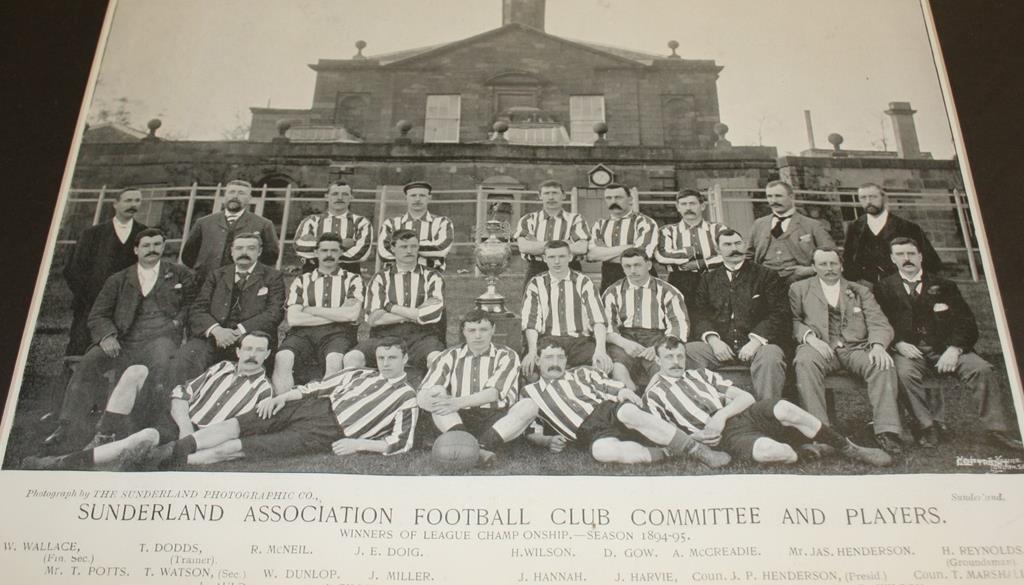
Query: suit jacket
[(859, 264), (803, 234), (863, 320), (261, 301), (115, 308), (204, 248), (98, 254), (938, 318), (757, 298)]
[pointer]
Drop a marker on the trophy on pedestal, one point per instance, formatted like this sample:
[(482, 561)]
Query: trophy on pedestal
[(492, 256)]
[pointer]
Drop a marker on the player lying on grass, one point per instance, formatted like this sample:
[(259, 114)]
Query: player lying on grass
[(583, 405), (473, 388), (129, 426), (359, 409), (718, 414)]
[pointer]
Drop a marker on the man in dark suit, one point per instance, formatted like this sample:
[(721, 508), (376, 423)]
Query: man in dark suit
[(784, 240), (208, 246), (866, 248), (936, 331), (136, 319), (234, 300), (740, 314), (101, 250), (840, 325)]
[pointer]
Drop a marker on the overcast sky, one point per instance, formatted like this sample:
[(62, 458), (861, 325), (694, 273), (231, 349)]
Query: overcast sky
[(199, 65)]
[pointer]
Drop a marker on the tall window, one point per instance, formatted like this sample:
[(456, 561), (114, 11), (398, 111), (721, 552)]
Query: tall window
[(584, 111), (443, 113)]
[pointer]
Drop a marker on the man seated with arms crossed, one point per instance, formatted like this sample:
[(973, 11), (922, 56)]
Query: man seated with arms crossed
[(235, 299), (323, 309), (552, 222), (936, 331), (741, 314), (718, 414), (404, 300), (563, 304), (583, 405), (127, 431), (641, 309), (472, 387), (355, 410)]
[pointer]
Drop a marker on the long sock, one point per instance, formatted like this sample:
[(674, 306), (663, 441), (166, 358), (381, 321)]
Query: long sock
[(183, 448), (657, 454), (491, 440), (112, 423), (681, 444), (829, 436)]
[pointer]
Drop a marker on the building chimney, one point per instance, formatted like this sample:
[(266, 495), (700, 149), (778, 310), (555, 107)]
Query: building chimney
[(526, 12), (903, 126), (810, 129)]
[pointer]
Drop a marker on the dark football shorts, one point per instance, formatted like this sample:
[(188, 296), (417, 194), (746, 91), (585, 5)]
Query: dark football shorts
[(640, 370), (301, 427), (319, 340), (478, 420), (420, 341), (744, 429), (603, 423)]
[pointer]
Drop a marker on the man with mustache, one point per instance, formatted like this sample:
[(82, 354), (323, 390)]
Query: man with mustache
[(784, 240), (740, 314), (688, 248), (623, 229), (935, 332), (136, 319), (552, 222), (127, 429), (234, 300), (866, 247), (716, 413), (100, 251), (838, 324), (323, 310), (208, 246), (355, 231), (581, 405)]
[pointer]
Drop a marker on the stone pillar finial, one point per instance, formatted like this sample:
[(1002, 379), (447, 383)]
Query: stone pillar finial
[(403, 126), (836, 139), (360, 45), (601, 129), (500, 128), (721, 130), (282, 130), (674, 44), (153, 126)]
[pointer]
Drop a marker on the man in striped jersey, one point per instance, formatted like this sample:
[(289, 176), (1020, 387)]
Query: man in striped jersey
[(537, 228), (355, 231), (582, 405), (624, 229), (474, 387), (404, 300), (641, 309), (688, 248), (563, 304), (718, 414), (323, 311), (435, 232), (224, 391), (355, 410)]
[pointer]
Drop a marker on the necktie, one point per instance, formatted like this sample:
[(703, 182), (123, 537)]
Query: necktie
[(777, 227), (731, 274), (912, 287)]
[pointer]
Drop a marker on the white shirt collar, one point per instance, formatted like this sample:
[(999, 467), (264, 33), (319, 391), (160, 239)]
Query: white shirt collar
[(877, 222), (126, 225), (557, 279), (916, 278), (785, 215), (233, 215), (831, 292), (630, 285)]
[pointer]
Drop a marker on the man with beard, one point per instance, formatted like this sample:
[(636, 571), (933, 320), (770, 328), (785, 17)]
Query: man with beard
[(552, 222), (136, 319), (688, 248), (623, 229), (641, 309), (935, 332), (355, 231), (127, 429), (785, 240), (237, 299), (740, 314), (100, 251), (866, 248), (840, 325), (582, 405), (208, 246), (323, 311), (718, 414), (434, 232)]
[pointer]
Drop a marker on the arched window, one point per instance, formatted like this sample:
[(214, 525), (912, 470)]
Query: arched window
[(680, 118)]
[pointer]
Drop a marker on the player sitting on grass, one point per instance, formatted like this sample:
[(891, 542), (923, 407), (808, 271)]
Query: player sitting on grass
[(716, 413), (354, 410), (584, 405), (224, 391)]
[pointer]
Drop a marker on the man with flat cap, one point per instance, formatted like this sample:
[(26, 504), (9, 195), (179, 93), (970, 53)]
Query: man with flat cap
[(435, 232)]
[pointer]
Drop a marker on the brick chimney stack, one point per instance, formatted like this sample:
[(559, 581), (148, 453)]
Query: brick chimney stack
[(903, 127), (526, 12)]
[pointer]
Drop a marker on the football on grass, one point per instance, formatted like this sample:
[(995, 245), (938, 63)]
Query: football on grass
[(456, 450)]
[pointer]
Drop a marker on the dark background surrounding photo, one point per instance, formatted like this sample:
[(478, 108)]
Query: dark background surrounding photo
[(50, 48)]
